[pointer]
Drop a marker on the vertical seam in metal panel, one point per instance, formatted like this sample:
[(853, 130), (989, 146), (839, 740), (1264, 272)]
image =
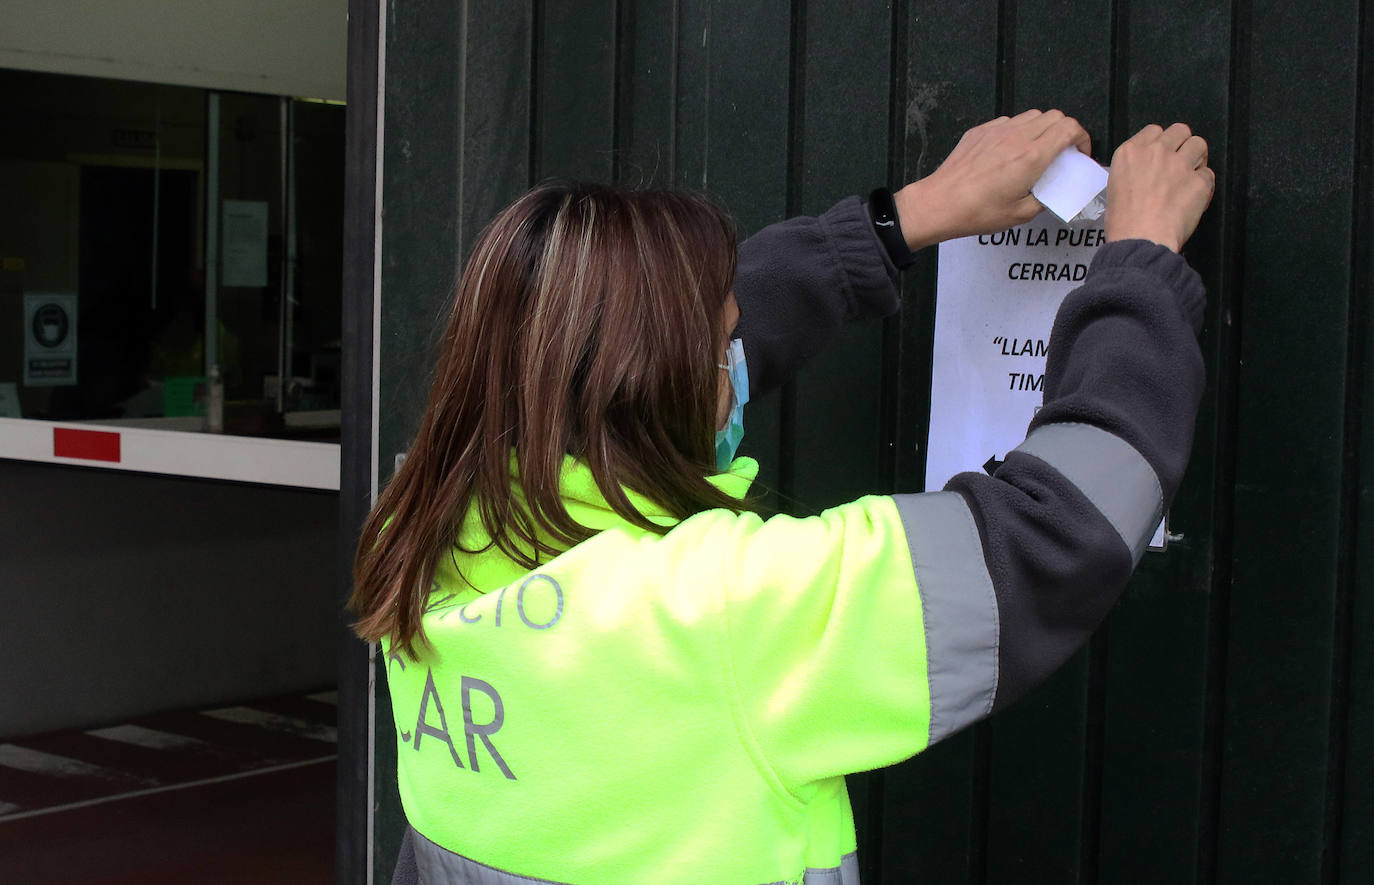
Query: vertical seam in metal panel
[(671, 178), (616, 12), (1119, 93), (890, 393), (353, 828), (1358, 317), (980, 802), (870, 854), (377, 251), (1095, 709), (463, 124), (796, 106), (980, 830), (1006, 56), (536, 46), (621, 13), (1236, 184), (706, 101), (796, 131), (376, 412), (1094, 741), (912, 425)]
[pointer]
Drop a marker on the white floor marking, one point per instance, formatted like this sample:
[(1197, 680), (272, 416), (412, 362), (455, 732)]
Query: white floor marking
[(145, 737), (38, 762), (167, 789), (276, 722)]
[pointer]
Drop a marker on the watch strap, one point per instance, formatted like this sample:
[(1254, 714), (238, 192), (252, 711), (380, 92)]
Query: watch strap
[(882, 209)]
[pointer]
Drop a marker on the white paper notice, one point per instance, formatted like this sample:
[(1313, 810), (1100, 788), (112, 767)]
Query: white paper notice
[(244, 243), (1069, 184), (49, 339), (997, 295)]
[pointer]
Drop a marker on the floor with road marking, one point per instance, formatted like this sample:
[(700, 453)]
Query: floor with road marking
[(232, 793)]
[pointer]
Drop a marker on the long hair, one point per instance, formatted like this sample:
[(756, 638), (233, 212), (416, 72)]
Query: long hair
[(586, 323)]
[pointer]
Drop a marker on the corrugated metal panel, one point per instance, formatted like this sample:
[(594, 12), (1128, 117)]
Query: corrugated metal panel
[(1220, 728)]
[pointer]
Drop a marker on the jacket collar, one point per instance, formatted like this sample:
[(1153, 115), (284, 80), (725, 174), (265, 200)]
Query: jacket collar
[(586, 504)]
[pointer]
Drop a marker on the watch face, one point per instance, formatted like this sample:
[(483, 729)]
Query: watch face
[(882, 208)]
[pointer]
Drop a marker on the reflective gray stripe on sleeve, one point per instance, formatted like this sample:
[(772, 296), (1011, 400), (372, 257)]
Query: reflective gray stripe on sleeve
[(847, 873), (958, 608), (439, 866), (1109, 472)]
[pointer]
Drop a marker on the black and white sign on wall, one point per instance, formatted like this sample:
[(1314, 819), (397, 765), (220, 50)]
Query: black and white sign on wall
[(997, 295), (49, 339)]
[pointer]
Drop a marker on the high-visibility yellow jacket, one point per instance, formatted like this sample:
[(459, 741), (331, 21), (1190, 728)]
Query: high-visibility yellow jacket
[(651, 708), (684, 707)]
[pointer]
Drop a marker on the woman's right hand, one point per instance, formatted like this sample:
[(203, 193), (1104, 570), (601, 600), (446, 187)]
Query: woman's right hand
[(1159, 186)]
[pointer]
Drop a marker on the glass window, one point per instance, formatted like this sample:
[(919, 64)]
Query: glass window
[(142, 221)]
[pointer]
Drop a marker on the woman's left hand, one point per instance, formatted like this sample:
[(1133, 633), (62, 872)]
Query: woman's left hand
[(983, 186)]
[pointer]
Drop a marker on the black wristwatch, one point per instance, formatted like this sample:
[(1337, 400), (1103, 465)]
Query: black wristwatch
[(883, 211)]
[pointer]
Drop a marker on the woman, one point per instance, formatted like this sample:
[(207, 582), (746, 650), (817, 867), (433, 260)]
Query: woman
[(604, 666)]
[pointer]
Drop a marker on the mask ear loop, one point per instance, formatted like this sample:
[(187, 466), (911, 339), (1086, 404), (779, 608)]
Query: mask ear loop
[(734, 360), (728, 437), (733, 396), (735, 365)]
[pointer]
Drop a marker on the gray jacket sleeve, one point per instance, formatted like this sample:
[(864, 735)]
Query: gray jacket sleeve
[(1017, 569), (800, 280), (1066, 518)]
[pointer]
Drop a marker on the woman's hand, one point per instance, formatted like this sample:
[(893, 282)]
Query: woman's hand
[(983, 186), (1159, 186)]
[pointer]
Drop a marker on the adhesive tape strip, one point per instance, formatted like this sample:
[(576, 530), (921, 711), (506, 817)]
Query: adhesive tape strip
[(1069, 184)]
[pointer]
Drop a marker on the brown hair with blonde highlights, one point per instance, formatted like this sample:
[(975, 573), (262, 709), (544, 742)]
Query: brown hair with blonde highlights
[(587, 323)]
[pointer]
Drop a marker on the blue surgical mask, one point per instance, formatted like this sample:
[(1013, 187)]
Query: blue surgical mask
[(728, 438)]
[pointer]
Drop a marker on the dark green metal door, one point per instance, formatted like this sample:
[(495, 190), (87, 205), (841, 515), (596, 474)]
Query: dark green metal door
[(1220, 727)]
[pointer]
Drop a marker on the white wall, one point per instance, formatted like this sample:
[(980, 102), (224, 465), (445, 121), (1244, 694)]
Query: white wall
[(278, 47)]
